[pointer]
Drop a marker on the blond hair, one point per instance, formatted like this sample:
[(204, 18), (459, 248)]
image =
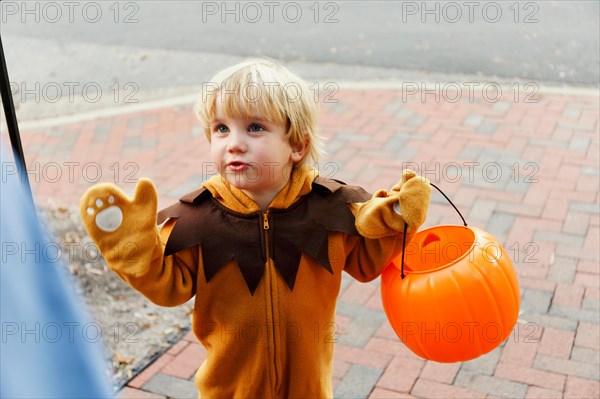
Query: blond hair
[(278, 95)]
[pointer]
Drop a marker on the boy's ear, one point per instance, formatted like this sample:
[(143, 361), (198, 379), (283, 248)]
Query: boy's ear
[(299, 149)]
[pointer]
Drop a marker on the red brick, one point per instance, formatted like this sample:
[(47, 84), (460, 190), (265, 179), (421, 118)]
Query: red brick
[(345, 154), (508, 196), (430, 389), (533, 153), (532, 271), (541, 393), (529, 332), (390, 346), (401, 374), (358, 293), (587, 183), (357, 165), (374, 301), (568, 172), (592, 293), (521, 231), (429, 127), (519, 352), (465, 197), (587, 280), (339, 368), (592, 239), (132, 393), (342, 321), (361, 356), (386, 332), (556, 208), (178, 347), (364, 145), (530, 376), (557, 343), (150, 371), (588, 266), (571, 251), (589, 117), (537, 283), (440, 372), (190, 337), (335, 382), (562, 134), (588, 335), (581, 388), (515, 144), (186, 363), (568, 295), (576, 223), (380, 393), (545, 224)]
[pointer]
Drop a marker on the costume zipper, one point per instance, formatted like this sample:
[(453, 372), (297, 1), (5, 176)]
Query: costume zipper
[(266, 227)]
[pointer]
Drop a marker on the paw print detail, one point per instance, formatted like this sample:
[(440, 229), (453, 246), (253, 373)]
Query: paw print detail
[(108, 219)]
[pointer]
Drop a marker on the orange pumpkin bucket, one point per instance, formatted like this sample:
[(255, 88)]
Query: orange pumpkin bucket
[(452, 295)]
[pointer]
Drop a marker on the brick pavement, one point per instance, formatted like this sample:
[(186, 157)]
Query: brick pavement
[(526, 172)]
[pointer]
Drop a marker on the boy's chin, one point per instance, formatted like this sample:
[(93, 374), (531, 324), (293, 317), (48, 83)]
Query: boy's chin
[(241, 183), (252, 187)]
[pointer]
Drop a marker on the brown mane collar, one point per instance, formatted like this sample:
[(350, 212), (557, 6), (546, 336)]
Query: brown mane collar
[(226, 235)]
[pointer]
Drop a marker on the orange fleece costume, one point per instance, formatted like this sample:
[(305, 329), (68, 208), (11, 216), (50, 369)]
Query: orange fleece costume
[(275, 341)]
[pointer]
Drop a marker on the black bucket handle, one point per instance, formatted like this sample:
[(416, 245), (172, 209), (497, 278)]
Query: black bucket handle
[(406, 227)]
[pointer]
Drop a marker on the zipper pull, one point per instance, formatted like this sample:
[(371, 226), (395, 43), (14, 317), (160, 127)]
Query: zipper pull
[(266, 221)]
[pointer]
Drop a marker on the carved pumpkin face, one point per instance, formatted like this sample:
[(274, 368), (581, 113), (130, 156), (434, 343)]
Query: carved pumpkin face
[(459, 298)]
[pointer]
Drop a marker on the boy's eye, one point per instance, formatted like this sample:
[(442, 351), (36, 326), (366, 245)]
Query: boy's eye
[(255, 128), (221, 129)]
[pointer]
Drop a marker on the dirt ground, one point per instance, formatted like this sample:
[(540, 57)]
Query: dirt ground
[(135, 331)]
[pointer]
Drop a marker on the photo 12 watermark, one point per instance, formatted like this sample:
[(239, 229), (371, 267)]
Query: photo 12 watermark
[(89, 92), (73, 172), (467, 332), (254, 331), (252, 12), (492, 12), (53, 252), (56, 252), (252, 93), (68, 332), (52, 12), (454, 92), (473, 171), (439, 253)]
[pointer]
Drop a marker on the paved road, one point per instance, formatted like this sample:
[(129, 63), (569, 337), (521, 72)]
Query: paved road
[(551, 41)]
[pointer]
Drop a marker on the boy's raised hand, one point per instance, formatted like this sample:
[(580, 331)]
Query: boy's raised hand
[(124, 229), (413, 197), (386, 212)]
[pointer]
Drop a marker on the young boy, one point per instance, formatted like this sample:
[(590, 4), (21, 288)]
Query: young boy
[(261, 245)]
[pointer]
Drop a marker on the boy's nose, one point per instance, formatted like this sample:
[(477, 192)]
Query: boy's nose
[(236, 142)]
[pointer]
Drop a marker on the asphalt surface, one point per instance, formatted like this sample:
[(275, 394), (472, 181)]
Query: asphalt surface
[(550, 41)]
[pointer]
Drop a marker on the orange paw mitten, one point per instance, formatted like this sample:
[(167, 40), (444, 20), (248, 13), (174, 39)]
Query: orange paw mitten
[(385, 213), (124, 229)]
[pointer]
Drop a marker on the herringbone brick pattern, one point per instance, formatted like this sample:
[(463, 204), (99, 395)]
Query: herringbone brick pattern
[(527, 172)]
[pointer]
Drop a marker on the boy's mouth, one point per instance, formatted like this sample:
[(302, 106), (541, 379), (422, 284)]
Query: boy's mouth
[(237, 166)]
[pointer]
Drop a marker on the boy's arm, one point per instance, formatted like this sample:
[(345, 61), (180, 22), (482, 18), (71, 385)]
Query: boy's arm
[(380, 222), (126, 234)]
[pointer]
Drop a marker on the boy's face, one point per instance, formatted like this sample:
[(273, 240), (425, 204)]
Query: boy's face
[(254, 155)]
